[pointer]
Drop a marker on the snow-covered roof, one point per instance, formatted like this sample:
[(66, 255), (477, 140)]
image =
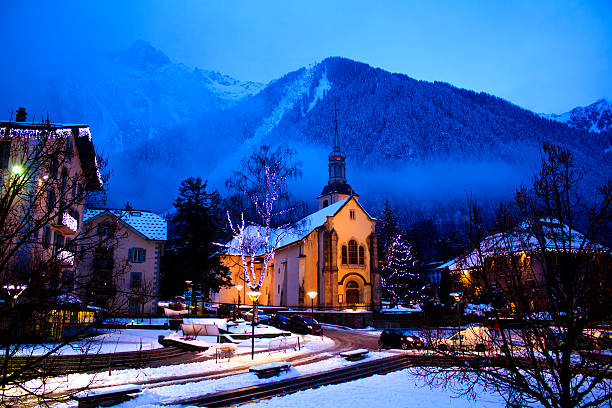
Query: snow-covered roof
[(284, 237), (548, 234), (148, 224)]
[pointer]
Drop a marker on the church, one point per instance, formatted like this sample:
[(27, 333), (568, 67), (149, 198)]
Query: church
[(334, 254)]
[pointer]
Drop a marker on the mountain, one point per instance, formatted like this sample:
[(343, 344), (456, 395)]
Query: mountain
[(127, 97), (423, 145), (597, 117)]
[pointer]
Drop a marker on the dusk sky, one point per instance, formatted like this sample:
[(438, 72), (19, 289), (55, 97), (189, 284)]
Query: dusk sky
[(547, 56)]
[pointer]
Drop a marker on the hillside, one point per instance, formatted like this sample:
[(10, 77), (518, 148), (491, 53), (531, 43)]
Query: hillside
[(423, 145)]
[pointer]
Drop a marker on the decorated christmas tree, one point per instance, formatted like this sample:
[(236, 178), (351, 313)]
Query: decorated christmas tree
[(401, 277)]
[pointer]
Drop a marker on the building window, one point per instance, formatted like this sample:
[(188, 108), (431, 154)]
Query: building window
[(352, 214), (325, 203), (105, 229), (137, 255), (135, 280), (352, 252), (344, 255), (361, 255), (5, 154), (50, 199), (46, 238), (58, 242)]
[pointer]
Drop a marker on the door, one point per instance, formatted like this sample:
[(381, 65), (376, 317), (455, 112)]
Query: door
[(352, 293)]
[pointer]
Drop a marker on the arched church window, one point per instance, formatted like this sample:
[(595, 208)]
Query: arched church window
[(344, 255), (361, 255), (352, 252)]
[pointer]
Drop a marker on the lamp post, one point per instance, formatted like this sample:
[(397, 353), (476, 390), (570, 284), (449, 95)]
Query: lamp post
[(254, 297), (237, 311), (312, 296), (187, 285)]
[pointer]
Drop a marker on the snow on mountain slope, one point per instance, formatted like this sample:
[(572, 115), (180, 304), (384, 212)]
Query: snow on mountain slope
[(596, 117)]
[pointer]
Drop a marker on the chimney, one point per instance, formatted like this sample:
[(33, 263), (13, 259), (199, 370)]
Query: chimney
[(21, 115)]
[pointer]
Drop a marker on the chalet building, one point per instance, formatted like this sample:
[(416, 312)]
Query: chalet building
[(332, 252), (53, 165), (125, 269), (527, 257)]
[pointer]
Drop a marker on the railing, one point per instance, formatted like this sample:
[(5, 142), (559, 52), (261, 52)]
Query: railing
[(66, 257), (66, 223)]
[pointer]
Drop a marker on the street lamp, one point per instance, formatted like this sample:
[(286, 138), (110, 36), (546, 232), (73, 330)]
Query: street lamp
[(187, 284), (312, 295), (254, 296), (17, 169), (239, 288)]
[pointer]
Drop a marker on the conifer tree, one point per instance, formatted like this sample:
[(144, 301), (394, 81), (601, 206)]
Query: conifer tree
[(387, 228), (191, 253), (400, 276)]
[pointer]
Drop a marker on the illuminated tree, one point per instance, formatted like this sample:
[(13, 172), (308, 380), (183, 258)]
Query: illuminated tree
[(401, 279)]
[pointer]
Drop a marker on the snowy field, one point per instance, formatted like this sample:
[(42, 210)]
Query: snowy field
[(110, 341), (398, 389), (267, 351)]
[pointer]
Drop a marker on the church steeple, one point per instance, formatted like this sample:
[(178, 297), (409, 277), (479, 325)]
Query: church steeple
[(337, 167), (337, 188)]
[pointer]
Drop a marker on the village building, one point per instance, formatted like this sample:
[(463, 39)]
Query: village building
[(55, 165), (332, 252), (527, 256), (125, 270)]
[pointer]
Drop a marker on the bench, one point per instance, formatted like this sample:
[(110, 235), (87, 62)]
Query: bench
[(354, 355), (270, 369), (106, 396)]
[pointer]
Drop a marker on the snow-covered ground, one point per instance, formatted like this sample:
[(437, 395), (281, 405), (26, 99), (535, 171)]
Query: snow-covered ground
[(398, 389), (267, 350), (111, 341)]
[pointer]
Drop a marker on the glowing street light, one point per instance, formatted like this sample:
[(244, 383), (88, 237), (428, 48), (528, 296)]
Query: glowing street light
[(17, 169), (312, 295), (239, 288), (254, 296)]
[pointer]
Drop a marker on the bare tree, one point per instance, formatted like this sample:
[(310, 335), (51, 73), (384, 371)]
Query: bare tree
[(47, 173), (540, 346)]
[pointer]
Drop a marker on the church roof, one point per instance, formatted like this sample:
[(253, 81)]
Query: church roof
[(341, 188), (150, 225), (299, 231)]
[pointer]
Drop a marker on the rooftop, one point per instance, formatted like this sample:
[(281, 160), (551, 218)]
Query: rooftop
[(147, 223)]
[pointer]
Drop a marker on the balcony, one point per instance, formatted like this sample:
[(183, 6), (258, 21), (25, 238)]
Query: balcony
[(66, 223), (66, 258)]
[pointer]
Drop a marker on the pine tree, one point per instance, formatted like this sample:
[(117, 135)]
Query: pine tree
[(191, 253), (387, 228), (401, 278)]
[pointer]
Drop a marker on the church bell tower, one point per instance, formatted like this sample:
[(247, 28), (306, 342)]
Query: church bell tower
[(337, 188)]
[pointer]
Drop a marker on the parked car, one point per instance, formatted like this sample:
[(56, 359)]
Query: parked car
[(476, 338), (261, 316), (397, 338), (304, 325), (280, 321), (228, 310), (603, 339), (555, 341)]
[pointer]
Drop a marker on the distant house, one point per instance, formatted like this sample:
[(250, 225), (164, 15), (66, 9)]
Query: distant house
[(528, 256), (332, 252), (126, 274)]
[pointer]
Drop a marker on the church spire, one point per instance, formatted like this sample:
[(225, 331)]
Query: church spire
[(337, 167), (336, 138), (337, 188)]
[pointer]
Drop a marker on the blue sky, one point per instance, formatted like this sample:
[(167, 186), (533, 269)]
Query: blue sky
[(548, 56)]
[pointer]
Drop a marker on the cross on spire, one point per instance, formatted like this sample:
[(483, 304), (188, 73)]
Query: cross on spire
[(336, 138)]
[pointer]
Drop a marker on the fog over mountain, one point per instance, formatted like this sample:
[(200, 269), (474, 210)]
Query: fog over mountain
[(423, 145)]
